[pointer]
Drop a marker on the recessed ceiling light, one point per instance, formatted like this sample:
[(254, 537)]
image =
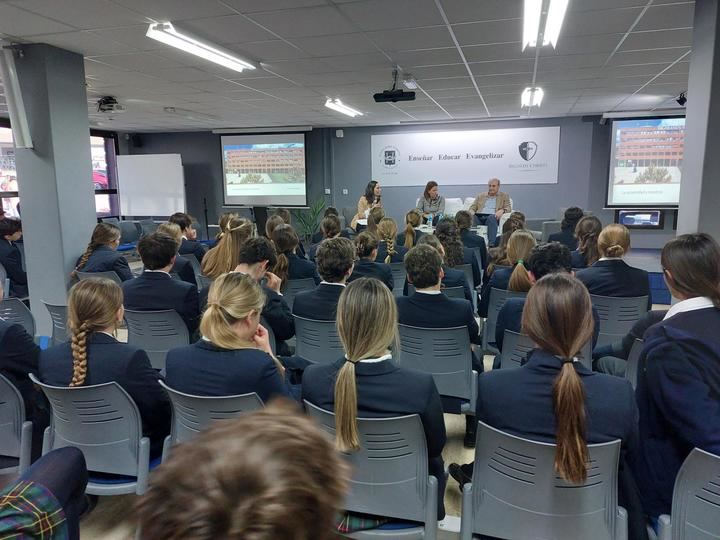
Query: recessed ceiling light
[(532, 97), (553, 22), (339, 106)]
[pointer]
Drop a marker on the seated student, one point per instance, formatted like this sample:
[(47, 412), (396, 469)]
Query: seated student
[(269, 475), (233, 357), (94, 356), (222, 226), (223, 257), (513, 278), (469, 239), (451, 276), (289, 265), (319, 236), (100, 254), (286, 216), (334, 258), (610, 275), (455, 252), (182, 268), (566, 236), (366, 247), (329, 228), (374, 217), (388, 251), (367, 383), (154, 289), (10, 257), (189, 245), (587, 231), (497, 256), (678, 388), (410, 236)]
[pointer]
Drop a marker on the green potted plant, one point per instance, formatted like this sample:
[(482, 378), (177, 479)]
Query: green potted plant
[(308, 219)]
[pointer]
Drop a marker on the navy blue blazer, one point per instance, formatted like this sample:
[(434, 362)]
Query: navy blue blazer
[(193, 247), (400, 238), (471, 240), (399, 256), (437, 311), (184, 270), (11, 259), (319, 304), (109, 360), (204, 369), (377, 270), (614, 277), (577, 260), (157, 291), (453, 278), (18, 358), (678, 395), (106, 259), (382, 391), (499, 279), (299, 268), (566, 237)]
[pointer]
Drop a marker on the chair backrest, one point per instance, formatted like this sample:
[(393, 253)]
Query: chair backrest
[(467, 270), (101, 420), (633, 362), (452, 292), (550, 227), (4, 281), (12, 417), (194, 263), (156, 332), (12, 310), (398, 274), (271, 334), (203, 281), (294, 286), (147, 226), (111, 275), (497, 301), (444, 353), (696, 498), (58, 315), (516, 492), (111, 220), (317, 341), (390, 471), (617, 315), (129, 232), (192, 414), (516, 346)]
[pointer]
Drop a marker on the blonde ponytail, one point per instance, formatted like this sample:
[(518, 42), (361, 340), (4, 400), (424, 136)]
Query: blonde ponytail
[(346, 429), (571, 454), (519, 279)]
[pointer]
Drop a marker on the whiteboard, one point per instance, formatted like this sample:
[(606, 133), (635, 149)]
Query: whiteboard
[(151, 185)]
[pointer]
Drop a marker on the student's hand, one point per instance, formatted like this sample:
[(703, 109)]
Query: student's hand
[(499, 214), (273, 282), (262, 339)]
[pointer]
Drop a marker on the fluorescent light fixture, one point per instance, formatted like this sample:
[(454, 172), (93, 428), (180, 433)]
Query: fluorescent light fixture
[(409, 82), (532, 97), (553, 22), (339, 106), (13, 96), (180, 39)]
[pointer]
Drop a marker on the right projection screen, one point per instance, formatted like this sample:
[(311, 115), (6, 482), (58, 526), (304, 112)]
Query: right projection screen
[(646, 162)]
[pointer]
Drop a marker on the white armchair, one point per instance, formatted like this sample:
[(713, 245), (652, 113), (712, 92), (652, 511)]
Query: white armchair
[(503, 219)]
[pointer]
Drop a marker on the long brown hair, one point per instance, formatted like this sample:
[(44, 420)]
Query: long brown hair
[(103, 235), (92, 306), (285, 240), (375, 215), (558, 318), (431, 184), (691, 263), (412, 220), (367, 325), (499, 253), (365, 243), (271, 223), (223, 223), (587, 231), (519, 247), (614, 240), (449, 235), (225, 256), (387, 232)]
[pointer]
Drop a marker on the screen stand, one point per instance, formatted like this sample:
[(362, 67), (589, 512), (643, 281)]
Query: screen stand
[(260, 215)]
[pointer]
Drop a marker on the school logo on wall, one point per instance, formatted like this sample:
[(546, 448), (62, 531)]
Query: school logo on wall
[(390, 157), (527, 150)]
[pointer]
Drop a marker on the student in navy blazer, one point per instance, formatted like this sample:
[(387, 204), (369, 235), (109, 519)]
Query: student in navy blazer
[(234, 356), (189, 244), (469, 239), (456, 254), (334, 258), (94, 356), (389, 251), (289, 265), (451, 276), (566, 236), (329, 228), (381, 386), (410, 236), (587, 232), (182, 268), (10, 257), (101, 255), (611, 276), (154, 289), (366, 246), (678, 389)]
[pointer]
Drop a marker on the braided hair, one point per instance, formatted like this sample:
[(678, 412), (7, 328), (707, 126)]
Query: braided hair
[(104, 234), (387, 232)]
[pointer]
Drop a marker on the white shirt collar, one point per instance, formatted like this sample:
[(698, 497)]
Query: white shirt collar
[(108, 334), (323, 282), (691, 304), (157, 272), (387, 356), (427, 292), (184, 237), (610, 259)]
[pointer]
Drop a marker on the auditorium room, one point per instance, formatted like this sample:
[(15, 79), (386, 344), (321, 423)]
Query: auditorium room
[(399, 269)]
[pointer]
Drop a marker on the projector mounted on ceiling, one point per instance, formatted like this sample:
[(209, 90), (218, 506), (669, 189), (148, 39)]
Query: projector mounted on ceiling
[(109, 104), (394, 94)]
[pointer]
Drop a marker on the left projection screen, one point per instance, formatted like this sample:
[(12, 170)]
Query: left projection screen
[(264, 170)]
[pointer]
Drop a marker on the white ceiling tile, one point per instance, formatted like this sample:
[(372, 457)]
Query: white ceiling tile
[(176, 10), (479, 33), (19, 23), (86, 43), (571, 61), (432, 57), (339, 44), (183, 74), (593, 5), (132, 36), (86, 14), (439, 72), (300, 66), (598, 43), (455, 82), (678, 15), (651, 56), (372, 15), (252, 6), (419, 38), (311, 21), (459, 11), (602, 21), (268, 51), (492, 52), (657, 39), (268, 83), (227, 29), (481, 69), (143, 62), (359, 61)]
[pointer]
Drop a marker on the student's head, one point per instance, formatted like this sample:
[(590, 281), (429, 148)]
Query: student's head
[(271, 223), (224, 256), (691, 265), (335, 258), (172, 230), (412, 219), (519, 216), (518, 249), (330, 226), (431, 190), (511, 225), (269, 475), (423, 265), (558, 318), (331, 211), (449, 235), (493, 186), (374, 217), (367, 325), (256, 256), (614, 241), (432, 241), (366, 244), (463, 220), (571, 217), (223, 223), (94, 305), (549, 258), (285, 214), (10, 229), (104, 234), (587, 232), (387, 232), (286, 241), (157, 251), (372, 191), (185, 222)]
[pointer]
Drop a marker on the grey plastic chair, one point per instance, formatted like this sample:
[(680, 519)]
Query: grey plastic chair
[(104, 423), (147, 226), (111, 275), (12, 310), (398, 274), (467, 270), (15, 430), (550, 227), (389, 474), (194, 263), (192, 414), (271, 334), (497, 300), (129, 232), (317, 341), (444, 353), (112, 220), (517, 346), (633, 362), (294, 286), (516, 493), (203, 281), (696, 500), (452, 292), (58, 315), (4, 281), (156, 332), (617, 315)]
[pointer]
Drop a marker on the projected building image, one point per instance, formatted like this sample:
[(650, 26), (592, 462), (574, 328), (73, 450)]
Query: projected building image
[(265, 163)]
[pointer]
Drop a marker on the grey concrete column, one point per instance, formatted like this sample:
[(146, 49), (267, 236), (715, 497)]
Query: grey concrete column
[(54, 178), (700, 191)]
